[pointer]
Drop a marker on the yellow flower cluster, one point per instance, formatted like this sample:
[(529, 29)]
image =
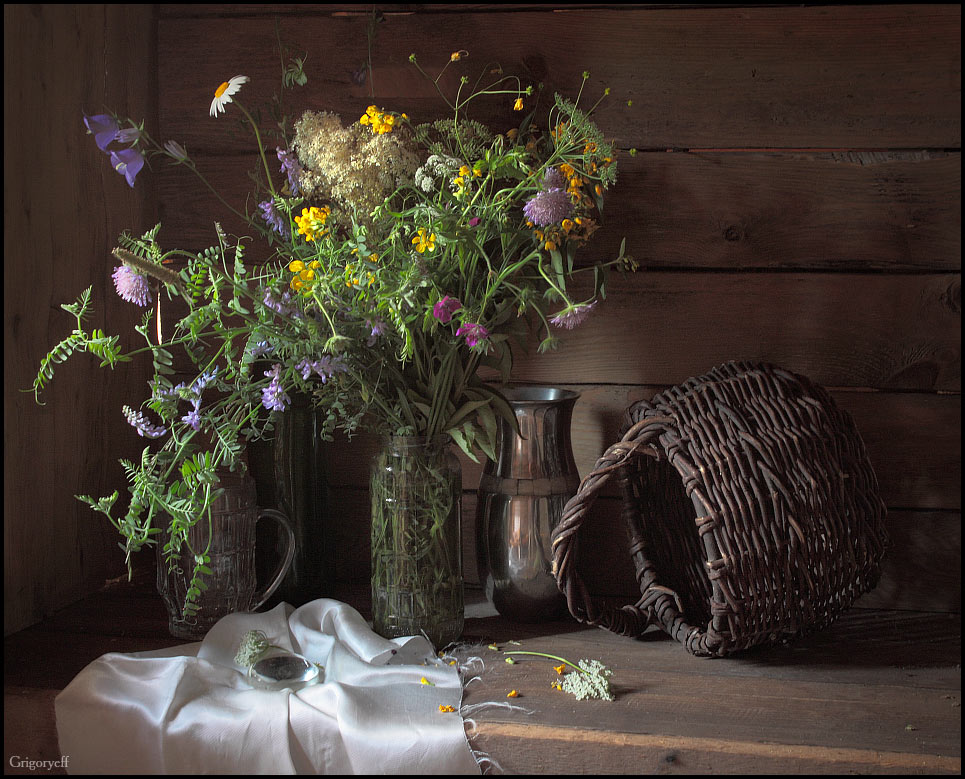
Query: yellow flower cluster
[(303, 274), (578, 228), (424, 241), (311, 223), (465, 173), (380, 122)]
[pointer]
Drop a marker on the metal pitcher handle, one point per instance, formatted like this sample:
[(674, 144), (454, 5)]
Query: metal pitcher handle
[(259, 598)]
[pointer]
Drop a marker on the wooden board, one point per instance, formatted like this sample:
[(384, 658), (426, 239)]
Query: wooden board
[(742, 77), (64, 206), (731, 211)]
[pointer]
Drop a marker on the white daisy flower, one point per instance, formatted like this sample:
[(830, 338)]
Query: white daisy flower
[(222, 94)]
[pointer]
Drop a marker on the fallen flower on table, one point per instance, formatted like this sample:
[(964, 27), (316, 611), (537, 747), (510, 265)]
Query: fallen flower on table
[(512, 694), (445, 709), (423, 680), (592, 681)]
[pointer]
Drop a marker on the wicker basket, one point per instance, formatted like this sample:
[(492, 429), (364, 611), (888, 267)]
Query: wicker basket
[(752, 511)]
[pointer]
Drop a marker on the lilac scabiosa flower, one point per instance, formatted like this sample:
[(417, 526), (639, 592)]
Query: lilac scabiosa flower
[(573, 317), (141, 423), (445, 308), (273, 397), (549, 207), (104, 129), (553, 179), (127, 162), (132, 286), (274, 218), (473, 333)]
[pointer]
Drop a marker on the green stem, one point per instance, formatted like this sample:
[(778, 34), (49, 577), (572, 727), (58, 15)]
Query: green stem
[(261, 146), (551, 657)]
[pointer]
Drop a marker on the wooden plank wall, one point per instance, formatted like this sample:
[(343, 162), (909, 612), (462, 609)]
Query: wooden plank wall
[(63, 208), (795, 197)]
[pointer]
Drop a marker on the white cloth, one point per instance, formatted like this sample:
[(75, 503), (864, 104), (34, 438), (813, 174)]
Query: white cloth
[(190, 710)]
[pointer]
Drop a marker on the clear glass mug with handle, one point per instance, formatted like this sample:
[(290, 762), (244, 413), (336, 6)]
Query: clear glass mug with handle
[(232, 584)]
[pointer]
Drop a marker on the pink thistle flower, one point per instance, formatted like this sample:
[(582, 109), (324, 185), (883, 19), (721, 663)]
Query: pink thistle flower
[(473, 333), (445, 308)]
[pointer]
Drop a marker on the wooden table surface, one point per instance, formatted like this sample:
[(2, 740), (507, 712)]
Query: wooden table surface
[(877, 692)]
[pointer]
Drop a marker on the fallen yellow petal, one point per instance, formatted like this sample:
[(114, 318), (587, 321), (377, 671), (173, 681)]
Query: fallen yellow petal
[(445, 709), (559, 668), (423, 680), (512, 694)]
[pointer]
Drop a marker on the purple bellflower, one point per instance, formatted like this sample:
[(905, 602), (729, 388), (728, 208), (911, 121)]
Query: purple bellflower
[(104, 129), (127, 162)]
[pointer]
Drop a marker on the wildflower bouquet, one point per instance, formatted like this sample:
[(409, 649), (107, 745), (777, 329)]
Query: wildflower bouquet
[(397, 260)]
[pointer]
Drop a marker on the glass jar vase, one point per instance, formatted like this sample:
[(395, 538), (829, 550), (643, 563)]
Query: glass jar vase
[(417, 583)]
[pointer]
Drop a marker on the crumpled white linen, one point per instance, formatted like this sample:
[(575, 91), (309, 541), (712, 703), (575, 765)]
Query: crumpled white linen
[(190, 710)]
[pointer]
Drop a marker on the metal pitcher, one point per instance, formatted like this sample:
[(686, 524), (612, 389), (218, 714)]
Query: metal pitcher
[(521, 498)]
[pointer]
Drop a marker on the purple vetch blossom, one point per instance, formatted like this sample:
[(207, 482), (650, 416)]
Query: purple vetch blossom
[(192, 418), (274, 218), (141, 423), (548, 207), (292, 168), (203, 381), (132, 286), (279, 305), (553, 178), (376, 329), (324, 367), (445, 308), (474, 334), (260, 349), (127, 162), (273, 397), (159, 392), (104, 129), (573, 317)]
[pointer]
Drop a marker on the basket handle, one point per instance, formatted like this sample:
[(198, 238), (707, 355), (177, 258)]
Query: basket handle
[(628, 620)]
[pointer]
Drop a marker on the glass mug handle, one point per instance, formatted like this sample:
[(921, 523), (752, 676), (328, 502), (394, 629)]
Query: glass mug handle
[(259, 598)]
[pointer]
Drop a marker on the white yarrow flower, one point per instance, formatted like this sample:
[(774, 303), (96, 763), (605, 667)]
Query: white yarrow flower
[(222, 95)]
